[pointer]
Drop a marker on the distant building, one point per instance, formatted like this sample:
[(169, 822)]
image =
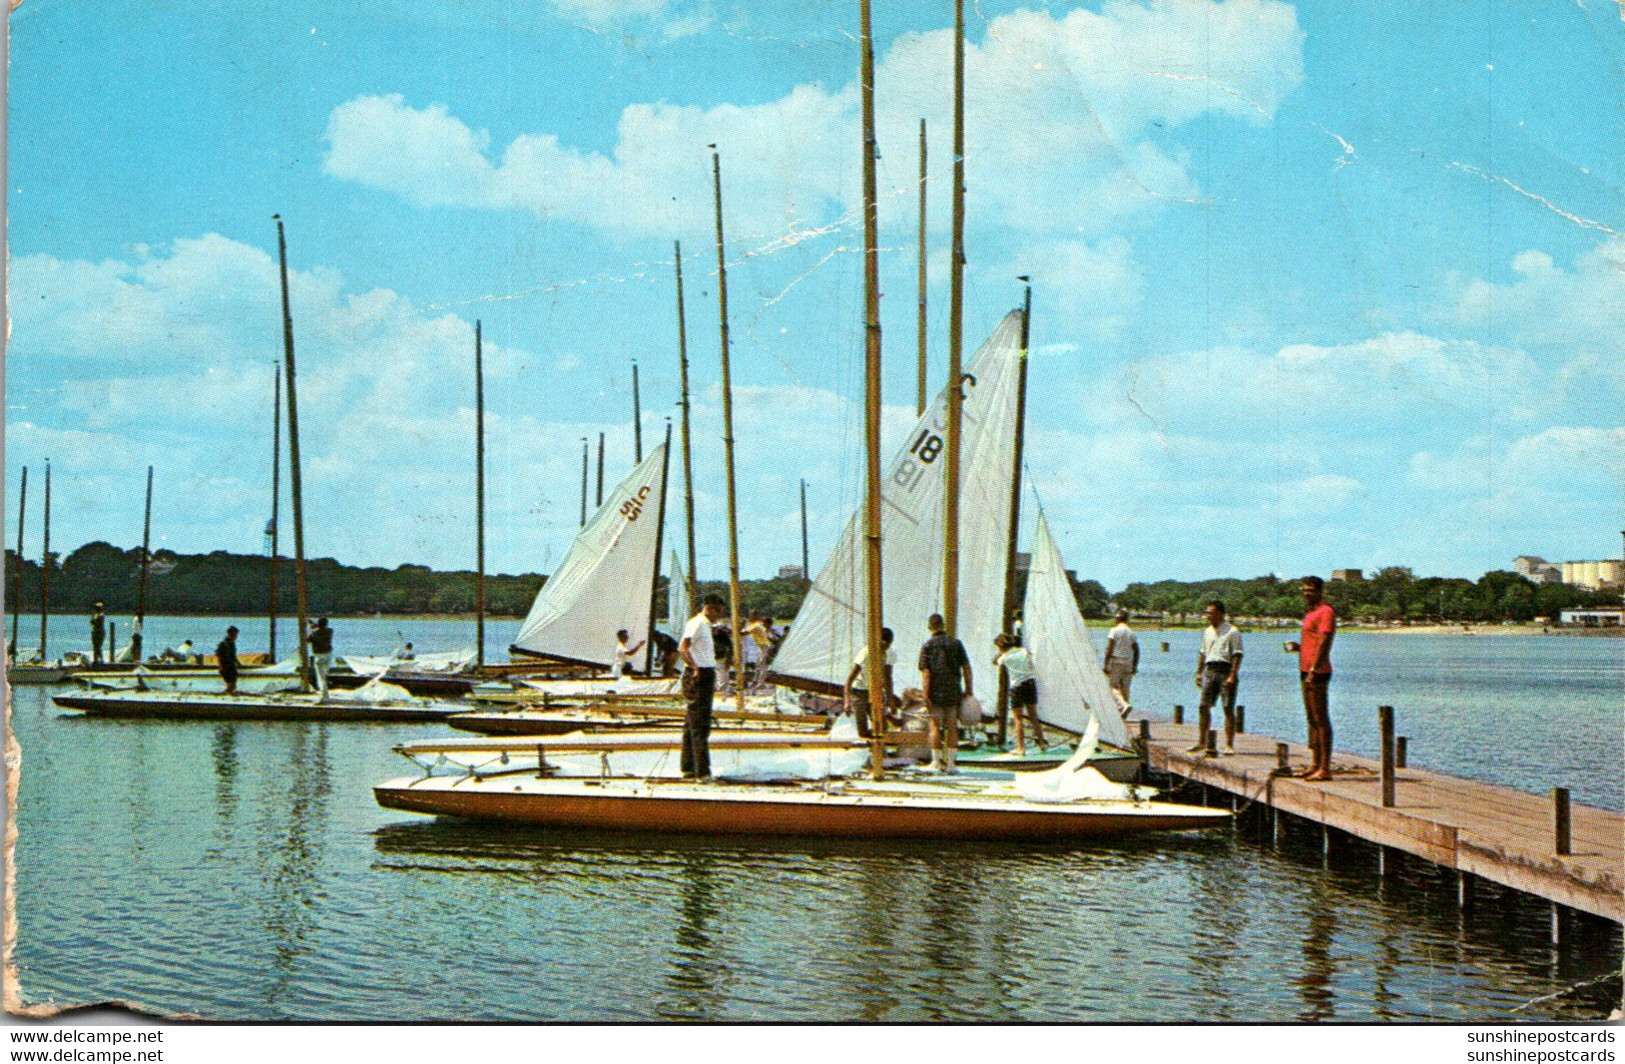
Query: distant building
[(792, 572), (1594, 575), (1352, 576), (1598, 617), (1539, 570)]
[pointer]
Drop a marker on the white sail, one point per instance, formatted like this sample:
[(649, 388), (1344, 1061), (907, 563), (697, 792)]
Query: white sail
[(831, 627), (604, 583), (678, 608), (1072, 688)]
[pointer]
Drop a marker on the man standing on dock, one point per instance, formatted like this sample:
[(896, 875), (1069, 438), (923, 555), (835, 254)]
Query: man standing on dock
[(943, 663), (1218, 670), (98, 633), (225, 657), (698, 650), (1315, 674), (321, 654), (1122, 659)]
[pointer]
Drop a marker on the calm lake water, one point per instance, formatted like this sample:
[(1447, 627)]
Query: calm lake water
[(243, 871)]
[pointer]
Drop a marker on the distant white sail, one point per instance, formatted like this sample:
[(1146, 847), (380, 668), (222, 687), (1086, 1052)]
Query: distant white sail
[(604, 583), (831, 627), (678, 608), (1072, 689)]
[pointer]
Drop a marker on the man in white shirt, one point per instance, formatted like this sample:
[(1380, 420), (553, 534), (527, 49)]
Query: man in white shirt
[(1218, 668), (1122, 659), (855, 698), (699, 655)]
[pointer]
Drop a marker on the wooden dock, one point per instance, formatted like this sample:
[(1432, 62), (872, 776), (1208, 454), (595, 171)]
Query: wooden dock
[(1496, 833)]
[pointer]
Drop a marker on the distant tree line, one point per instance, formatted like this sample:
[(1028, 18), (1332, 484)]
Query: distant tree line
[(1392, 594)]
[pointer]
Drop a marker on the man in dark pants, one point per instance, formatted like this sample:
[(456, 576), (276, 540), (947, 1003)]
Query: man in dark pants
[(698, 651), (943, 665), (225, 656), (98, 633)]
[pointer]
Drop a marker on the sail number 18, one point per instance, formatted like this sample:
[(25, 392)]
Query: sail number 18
[(924, 452)]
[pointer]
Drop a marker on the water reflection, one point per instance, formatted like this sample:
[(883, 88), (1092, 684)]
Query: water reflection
[(223, 755), (295, 834), (1314, 981), (698, 977)]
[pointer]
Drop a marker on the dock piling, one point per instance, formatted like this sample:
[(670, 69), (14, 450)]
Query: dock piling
[(1281, 756), (1211, 743), (1400, 752), (1145, 740), (1560, 821), (1241, 718), (1385, 722), (1179, 714)]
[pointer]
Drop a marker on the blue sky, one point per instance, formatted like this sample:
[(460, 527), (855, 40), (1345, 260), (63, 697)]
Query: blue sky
[(1316, 285)]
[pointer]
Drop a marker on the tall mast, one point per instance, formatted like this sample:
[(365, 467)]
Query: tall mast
[(688, 468), (479, 499), (660, 544), (919, 402), (806, 573), (583, 481), (146, 543), (956, 301), (600, 499), (294, 484), (728, 446), (45, 567), (17, 581), (637, 418), (876, 656), (276, 495), (1009, 612)]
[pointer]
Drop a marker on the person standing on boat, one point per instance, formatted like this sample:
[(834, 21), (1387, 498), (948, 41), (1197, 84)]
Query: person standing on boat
[(855, 698), (1315, 674), (1017, 663), (624, 652), (698, 650), (1218, 669), (225, 656), (759, 645), (943, 664), (135, 640), (321, 654), (1122, 659), (98, 633)]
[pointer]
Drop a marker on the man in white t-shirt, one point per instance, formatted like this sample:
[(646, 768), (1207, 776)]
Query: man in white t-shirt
[(1122, 659), (856, 698), (699, 683), (1218, 669)]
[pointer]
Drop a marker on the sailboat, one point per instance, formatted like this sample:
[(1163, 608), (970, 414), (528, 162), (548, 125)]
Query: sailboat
[(39, 671), (1072, 801)]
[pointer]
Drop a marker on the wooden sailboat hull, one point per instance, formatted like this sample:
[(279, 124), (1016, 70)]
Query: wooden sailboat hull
[(161, 706), (1115, 765), (605, 717), (38, 675), (843, 810)]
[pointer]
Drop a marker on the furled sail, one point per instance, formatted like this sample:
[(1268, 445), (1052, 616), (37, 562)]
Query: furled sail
[(831, 627), (1072, 688), (604, 583)]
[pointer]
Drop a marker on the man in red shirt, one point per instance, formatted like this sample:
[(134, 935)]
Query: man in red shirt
[(1315, 674)]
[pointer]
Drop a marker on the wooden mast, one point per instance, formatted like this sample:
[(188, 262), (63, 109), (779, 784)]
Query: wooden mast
[(637, 419), (919, 402), (45, 568), (806, 573), (583, 480), (660, 545), (479, 499), (875, 664), (728, 446), (1008, 614), (956, 302), (276, 497), (688, 467), (600, 497), (146, 544), (293, 464), (17, 581)]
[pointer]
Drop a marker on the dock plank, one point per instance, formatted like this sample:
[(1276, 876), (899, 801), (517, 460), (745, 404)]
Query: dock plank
[(1498, 833)]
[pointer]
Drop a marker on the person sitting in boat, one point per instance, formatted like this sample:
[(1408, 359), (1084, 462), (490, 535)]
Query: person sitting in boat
[(1017, 663), (225, 656), (407, 654), (666, 649), (855, 698), (624, 650), (182, 653)]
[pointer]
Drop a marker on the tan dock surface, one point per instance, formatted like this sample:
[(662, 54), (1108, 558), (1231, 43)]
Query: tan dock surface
[(1497, 833)]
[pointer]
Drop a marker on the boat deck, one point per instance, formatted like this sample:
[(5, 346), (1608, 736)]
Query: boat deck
[(1497, 833)]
